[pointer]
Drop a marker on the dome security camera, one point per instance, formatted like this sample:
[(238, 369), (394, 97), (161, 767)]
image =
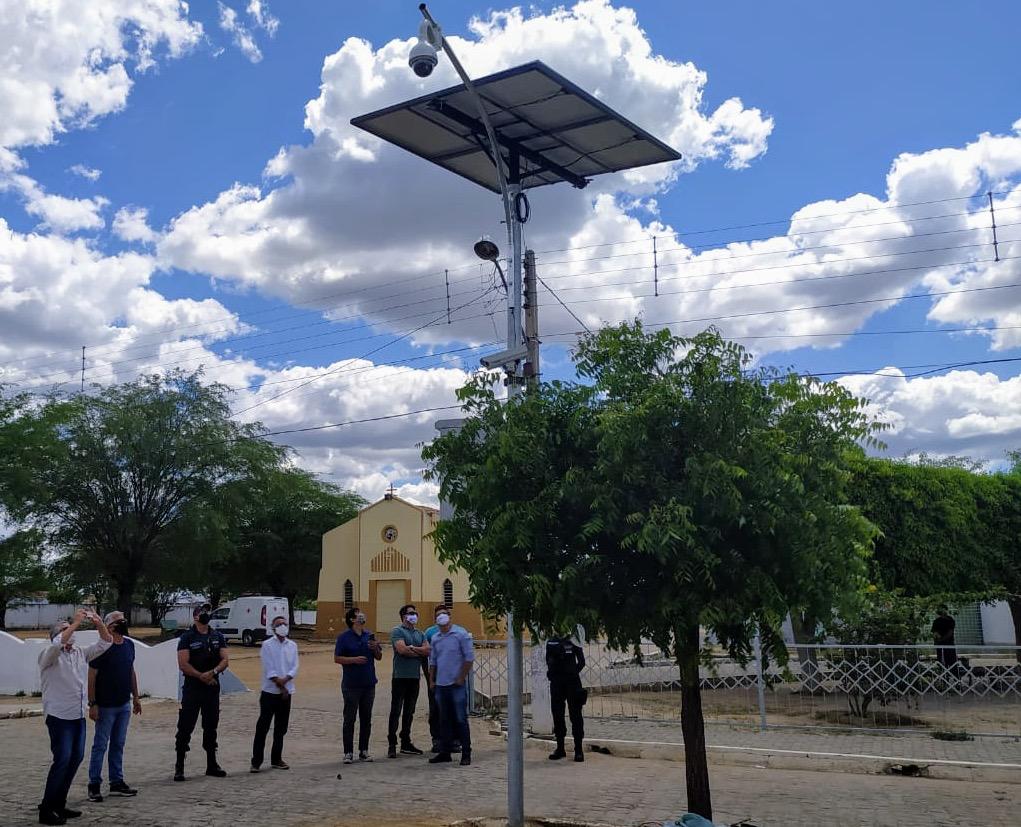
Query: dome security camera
[(423, 57)]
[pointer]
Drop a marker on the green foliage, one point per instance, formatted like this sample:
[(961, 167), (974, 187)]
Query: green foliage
[(676, 490), (21, 568), (110, 474), (936, 534)]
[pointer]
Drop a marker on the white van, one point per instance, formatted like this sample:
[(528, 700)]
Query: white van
[(248, 619)]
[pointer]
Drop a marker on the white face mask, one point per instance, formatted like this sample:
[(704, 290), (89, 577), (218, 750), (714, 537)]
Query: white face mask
[(282, 629), (442, 619), (359, 618), (411, 618)]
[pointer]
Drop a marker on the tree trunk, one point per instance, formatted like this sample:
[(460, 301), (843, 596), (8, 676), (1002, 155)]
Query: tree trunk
[(1015, 614), (3, 612), (125, 598), (214, 596), (808, 659), (696, 764)]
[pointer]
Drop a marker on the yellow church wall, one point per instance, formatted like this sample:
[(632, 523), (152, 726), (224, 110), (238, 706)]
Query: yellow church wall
[(366, 551)]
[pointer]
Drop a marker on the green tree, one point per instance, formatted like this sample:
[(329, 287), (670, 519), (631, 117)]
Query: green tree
[(21, 568), (275, 521), (676, 491), (112, 472)]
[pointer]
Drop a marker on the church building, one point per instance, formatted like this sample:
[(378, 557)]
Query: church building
[(383, 559)]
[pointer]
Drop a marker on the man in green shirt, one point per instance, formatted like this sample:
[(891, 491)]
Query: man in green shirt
[(410, 647)]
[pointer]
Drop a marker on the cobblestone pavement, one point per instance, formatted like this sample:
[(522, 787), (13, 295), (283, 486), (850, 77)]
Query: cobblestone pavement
[(914, 746), (408, 791)]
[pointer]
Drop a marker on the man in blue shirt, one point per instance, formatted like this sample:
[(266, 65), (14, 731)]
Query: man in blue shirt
[(450, 661), (357, 650), (113, 695)]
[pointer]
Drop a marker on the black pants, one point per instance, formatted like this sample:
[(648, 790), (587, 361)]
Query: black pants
[(403, 698), (435, 725), (275, 709), (196, 698), (358, 703), (567, 694)]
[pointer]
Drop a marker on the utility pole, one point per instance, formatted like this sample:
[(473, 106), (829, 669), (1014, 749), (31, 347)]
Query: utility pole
[(83, 368), (531, 320)]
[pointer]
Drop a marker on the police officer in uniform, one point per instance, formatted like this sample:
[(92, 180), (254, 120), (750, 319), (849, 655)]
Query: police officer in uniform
[(564, 662), (202, 658)]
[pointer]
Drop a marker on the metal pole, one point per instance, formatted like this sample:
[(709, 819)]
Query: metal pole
[(531, 319), (515, 670), (760, 680)]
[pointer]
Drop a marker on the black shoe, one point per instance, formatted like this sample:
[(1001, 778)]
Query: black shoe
[(216, 771), (392, 752), (94, 793), (411, 749), (441, 758), (466, 759), (255, 768), (579, 756), (557, 754), (68, 813), (435, 748), (178, 775), (122, 789), (280, 765), (51, 817)]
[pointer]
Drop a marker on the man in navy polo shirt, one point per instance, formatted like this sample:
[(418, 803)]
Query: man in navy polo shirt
[(113, 696), (357, 650)]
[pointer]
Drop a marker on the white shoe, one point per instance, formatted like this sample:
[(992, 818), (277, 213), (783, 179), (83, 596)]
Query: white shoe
[(364, 756), (349, 758)]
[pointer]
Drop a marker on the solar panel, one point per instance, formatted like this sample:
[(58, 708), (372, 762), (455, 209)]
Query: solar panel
[(549, 130)]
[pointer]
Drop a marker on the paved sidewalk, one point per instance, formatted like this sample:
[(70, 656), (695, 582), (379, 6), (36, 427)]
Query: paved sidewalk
[(914, 746), (408, 791)]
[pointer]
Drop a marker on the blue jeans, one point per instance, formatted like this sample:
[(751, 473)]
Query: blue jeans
[(67, 743), (453, 706), (112, 730)]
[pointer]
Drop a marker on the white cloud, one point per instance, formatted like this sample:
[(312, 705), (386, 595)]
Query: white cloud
[(243, 38), (65, 63), (259, 12), (962, 412), (89, 173), (56, 212), (349, 210), (131, 224)]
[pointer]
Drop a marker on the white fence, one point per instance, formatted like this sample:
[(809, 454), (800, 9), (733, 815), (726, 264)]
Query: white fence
[(972, 690)]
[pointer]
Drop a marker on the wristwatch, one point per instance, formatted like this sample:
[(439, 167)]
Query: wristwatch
[(91, 704)]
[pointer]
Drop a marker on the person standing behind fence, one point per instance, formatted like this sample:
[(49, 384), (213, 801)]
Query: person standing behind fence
[(279, 657), (943, 629), (356, 651), (63, 671), (113, 696), (564, 662), (451, 657), (410, 648), (202, 658)]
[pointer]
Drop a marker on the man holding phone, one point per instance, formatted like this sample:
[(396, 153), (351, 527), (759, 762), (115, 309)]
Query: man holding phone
[(356, 651)]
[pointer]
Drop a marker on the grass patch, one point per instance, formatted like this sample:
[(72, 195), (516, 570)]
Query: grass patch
[(951, 735)]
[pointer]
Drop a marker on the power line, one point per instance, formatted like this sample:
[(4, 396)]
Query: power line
[(563, 304)]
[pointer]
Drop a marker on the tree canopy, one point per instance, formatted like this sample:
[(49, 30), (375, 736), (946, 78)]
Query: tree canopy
[(673, 490)]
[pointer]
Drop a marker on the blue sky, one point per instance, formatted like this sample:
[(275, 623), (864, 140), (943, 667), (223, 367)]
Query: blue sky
[(828, 99)]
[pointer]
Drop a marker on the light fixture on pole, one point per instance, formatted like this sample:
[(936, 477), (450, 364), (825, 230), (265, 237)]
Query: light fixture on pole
[(487, 250)]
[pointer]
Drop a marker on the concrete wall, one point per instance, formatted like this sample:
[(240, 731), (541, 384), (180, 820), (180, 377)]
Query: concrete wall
[(156, 666), (44, 615)]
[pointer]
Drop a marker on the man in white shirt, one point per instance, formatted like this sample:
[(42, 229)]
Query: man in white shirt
[(279, 658), (64, 672)]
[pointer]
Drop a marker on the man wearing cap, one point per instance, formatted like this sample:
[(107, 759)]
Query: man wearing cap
[(279, 657), (202, 658), (113, 696), (63, 670)]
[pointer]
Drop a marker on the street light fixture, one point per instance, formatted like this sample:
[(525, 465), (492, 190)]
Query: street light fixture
[(486, 249)]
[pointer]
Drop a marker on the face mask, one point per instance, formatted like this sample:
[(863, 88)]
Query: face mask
[(282, 629), (204, 618), (442, 619), (359, 618), (412, 619), (120, 627)]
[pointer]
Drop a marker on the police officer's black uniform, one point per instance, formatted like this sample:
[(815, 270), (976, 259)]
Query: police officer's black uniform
[(564, 662), (204, 654)]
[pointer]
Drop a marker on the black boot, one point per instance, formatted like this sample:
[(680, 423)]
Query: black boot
[(579, 753), (559, 752), (212, 768), (179, 766)]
